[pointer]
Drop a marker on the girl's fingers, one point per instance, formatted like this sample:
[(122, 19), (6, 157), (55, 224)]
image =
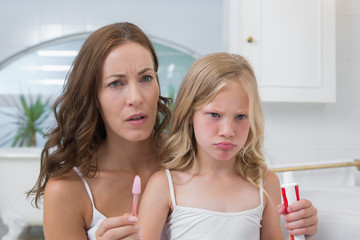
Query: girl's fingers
[(281, 209), (301, 210), (308, 231), (301, 204), (302, 219), (304, 226)]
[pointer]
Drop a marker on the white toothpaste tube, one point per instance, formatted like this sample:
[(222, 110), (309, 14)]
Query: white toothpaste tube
[(290, 194)]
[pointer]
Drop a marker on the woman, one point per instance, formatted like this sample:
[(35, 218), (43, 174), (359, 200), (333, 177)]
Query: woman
[(109, 128), (109, 121)]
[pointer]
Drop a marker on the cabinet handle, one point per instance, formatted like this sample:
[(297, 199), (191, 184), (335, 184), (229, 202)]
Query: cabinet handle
[(250, 39)]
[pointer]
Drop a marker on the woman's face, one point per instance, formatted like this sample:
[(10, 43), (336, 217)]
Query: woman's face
[(128, 93)]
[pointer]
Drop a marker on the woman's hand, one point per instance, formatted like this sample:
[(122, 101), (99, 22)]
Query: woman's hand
[(122, 227), (302, 218)]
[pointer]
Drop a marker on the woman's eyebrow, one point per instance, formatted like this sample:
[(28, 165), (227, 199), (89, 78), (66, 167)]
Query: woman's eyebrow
[(120, 75), (145, 70), (117, 75)]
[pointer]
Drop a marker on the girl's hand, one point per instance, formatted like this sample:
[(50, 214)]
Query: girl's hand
[(121, 227), (302, 218)]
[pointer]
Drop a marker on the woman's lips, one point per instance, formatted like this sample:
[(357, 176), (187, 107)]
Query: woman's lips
[(137, 119)]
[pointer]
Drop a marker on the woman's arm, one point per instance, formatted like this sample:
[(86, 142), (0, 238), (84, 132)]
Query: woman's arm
[(66, 208), (155, 206), (271, 228), (63, 216)]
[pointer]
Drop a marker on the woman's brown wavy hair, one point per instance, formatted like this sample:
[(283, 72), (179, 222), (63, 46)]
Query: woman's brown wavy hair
[(79, 126), (205, 78)]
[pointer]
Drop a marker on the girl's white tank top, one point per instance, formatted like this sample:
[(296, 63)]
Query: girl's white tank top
[(194, 223)]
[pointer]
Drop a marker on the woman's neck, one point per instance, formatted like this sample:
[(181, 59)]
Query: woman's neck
[(127, 156)]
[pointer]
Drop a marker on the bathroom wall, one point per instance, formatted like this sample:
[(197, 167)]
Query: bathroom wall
[(195, 24), (294, 132)]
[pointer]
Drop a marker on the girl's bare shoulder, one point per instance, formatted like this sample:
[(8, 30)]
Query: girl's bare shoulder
[(271, 180)]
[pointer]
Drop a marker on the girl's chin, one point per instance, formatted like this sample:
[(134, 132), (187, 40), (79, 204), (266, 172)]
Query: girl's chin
[(225, 158)]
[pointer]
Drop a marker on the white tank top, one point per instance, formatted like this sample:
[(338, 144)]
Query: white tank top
[(194, 223), (97, 217)]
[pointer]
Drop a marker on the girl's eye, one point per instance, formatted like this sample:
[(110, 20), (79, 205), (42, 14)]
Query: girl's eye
[(146, 78), (115, 84), (241, 116), (214, 115)]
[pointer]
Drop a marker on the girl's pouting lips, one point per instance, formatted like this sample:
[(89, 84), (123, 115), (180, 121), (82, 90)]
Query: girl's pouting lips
[(225, 145)]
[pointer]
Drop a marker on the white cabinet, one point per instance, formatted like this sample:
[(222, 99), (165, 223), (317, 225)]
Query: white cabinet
[(290, 44)]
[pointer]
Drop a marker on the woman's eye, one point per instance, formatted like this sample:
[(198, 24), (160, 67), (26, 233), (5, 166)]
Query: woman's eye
[(115, 84), (214, 115), (241, 116), (146, 78)]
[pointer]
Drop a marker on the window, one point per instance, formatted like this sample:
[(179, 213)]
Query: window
[(42, 69)]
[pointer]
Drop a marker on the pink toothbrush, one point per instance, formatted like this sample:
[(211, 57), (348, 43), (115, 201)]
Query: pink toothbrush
[(136, 190)]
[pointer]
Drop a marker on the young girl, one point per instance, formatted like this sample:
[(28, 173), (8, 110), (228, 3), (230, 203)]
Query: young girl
[(216, 184)]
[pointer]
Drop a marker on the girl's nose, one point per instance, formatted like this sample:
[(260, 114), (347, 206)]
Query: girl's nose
[(134, 95), (226, 128)]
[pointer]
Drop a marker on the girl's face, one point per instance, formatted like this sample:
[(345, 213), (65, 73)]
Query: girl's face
[(128, 93), (222, 126)]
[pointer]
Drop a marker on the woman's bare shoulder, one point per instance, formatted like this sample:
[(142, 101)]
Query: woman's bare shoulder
[(66, 206), (67, 192), (65, 185)]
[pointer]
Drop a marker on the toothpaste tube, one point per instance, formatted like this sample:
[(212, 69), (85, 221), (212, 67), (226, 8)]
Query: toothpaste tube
[(290, 194)]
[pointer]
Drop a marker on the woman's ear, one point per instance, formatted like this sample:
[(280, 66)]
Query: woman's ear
[(190, 122)]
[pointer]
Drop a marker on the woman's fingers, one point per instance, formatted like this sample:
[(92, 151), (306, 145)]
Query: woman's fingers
[(125, 232), (122, 227)]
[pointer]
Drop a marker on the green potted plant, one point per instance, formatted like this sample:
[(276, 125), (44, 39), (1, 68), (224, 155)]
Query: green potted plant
[(28, 119)]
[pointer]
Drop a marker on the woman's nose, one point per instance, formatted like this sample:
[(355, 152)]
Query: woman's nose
[(134, 97)]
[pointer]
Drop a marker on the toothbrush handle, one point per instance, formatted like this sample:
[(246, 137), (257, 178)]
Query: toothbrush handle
[(134, 206)]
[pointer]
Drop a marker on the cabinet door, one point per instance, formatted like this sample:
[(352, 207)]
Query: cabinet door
[(290, 44)]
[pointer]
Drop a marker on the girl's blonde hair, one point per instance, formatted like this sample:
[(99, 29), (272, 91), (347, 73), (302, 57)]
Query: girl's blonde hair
[(202, 82)]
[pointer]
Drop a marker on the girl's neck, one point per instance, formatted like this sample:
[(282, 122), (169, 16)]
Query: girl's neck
[(213, 167)]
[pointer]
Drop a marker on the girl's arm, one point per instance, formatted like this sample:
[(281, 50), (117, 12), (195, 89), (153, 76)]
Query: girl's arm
[(155, 206), (271, 228)]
